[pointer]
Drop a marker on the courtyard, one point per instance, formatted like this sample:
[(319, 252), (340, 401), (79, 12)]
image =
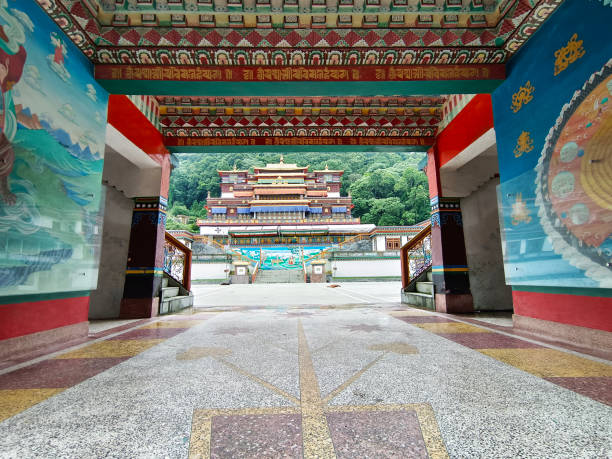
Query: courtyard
[(307, 371)]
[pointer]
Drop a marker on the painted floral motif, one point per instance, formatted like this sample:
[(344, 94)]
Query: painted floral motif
[(524, 144), (522, 97), (568, 54)]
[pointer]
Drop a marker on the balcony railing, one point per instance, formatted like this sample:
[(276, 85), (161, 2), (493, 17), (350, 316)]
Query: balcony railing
[(177, 260), (415, 256)]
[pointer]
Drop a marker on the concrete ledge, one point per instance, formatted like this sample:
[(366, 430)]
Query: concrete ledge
[(19, 346), (139, 308), (597, 341), (454, 303)]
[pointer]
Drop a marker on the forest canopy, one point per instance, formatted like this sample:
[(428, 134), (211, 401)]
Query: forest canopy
[(387, 188)]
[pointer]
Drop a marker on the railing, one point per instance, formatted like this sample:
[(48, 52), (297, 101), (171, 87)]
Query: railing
[(255, 271), (304, 268), (415, 256), (177, 260)]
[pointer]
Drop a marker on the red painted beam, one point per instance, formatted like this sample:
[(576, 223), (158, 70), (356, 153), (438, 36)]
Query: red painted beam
[(134, 125), (342, 73), (173, 141), (473, 121)]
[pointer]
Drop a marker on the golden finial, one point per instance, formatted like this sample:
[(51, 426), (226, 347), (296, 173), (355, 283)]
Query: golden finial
[(235, 169), (282, 159), (208, 194), (326, 167)]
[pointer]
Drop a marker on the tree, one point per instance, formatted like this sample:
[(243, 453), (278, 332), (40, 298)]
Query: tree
[(371, 178)]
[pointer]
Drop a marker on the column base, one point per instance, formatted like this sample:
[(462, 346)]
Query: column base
[(454, 303), (597, 342), (139, 308)]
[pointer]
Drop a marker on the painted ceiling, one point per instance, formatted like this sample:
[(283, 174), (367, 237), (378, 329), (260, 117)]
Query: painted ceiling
[(312, 33), (299, 32), (292, 116)]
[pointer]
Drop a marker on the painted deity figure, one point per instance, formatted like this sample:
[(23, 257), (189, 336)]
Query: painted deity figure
[(12, 60)]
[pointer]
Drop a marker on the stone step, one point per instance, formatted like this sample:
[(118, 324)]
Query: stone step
[(169, 292), (164, 282), (422, 300), (279, 276), (425, 287), (430, 276), (175, 303)]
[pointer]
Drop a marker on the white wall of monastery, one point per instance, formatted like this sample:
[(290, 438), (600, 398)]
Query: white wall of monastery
[(366, 268), (209, 271)]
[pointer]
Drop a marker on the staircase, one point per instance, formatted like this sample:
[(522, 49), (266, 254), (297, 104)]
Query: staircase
[(279, 276), (423, 294), (173, 296), (415, 260)]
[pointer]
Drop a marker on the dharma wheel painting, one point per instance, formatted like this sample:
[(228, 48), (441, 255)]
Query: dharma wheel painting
[(574, 179)]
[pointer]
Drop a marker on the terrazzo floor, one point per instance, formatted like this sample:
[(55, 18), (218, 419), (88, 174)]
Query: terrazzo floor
[(348, 382)]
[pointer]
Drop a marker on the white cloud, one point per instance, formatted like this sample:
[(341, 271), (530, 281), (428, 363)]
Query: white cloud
[(91, 92), (23, 18), (67, 112), (31, 76)]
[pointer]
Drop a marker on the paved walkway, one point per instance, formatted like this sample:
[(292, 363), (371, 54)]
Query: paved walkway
[(340, 381), (274, 295)]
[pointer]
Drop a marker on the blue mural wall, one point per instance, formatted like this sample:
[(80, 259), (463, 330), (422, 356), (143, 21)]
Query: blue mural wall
[(282, 257), (553, 120), (52, 126)]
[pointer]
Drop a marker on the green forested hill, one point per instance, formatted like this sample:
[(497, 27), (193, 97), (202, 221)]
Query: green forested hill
[(387, 188)]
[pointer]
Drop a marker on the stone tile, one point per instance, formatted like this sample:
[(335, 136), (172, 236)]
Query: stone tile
[(263, 435), (56, 373), (488, 341), (410, 313), (174, 324), (15, 401), (197, 316), (149, 333), (112, 348), (548, 363), (392, 434), (597, 388), (425, 319), (452, 327)]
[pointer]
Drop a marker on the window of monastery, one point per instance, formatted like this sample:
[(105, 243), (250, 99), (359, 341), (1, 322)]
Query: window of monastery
[(392, 243)]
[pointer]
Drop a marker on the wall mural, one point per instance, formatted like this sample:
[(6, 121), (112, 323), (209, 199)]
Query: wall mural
[(282, 257), (52, 129), (556, 153), (574, 179)]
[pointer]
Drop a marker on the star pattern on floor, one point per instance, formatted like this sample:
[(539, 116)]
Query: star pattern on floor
[(363, 327), (232, 331)]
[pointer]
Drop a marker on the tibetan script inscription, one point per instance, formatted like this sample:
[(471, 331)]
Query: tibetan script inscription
[(300, 73), (237, 141)]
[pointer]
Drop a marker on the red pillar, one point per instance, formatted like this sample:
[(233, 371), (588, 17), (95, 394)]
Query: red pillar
[(449, 260), (144, 270)]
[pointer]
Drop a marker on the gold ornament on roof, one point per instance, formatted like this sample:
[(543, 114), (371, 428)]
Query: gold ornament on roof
[(568, 54), (326, 167), (524, 144), (522, 97), (235, 169), (282, 159)]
